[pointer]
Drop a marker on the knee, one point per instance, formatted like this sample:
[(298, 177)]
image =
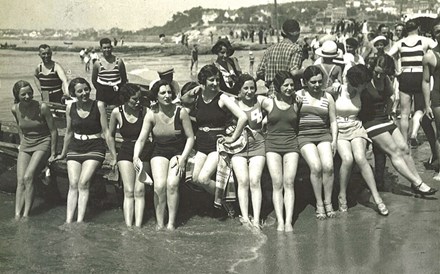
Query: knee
[(160, 188), (347, 160), (327, 169), (315, 168), (288, 183), (361, 161), (255, 183), (28, 179), (83, 185), (139, 193), (202, 179), (277, 183), (20, 184), (128, 194), (173, 187)]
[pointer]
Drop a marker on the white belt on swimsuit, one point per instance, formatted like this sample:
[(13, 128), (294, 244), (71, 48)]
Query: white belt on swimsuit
[(84, 137), (54, 91), (346, 119), (108, 83), (412, 69), (207, 129)]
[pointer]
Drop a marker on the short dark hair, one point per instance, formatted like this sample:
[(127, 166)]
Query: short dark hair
[(358, 75), (243, 78), (43, 46), (74, 82), (311, 71), (206, 72), (155, 89), (17, 87), (127, 90), (411, 25), (105, 41)]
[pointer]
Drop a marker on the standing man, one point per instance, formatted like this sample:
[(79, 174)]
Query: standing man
[(108, 74), (50, 77), (194, 58), (409, 51), (285, 55)]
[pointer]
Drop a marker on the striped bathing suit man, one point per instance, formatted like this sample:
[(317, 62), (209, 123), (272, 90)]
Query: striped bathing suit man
[(51, 83), (109, 81)]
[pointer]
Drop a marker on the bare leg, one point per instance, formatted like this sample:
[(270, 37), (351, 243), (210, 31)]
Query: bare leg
[(139, 199), (87, 171), (290, 165), (405, 109), (311, 155), (256, 166), (359, 145), (128, 176), (73, 172), (346, 155), (204, 168), (241, 170), (173, 181), (159, 168), (275, 166)]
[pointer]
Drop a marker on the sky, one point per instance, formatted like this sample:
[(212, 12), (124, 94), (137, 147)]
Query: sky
[(103, 14)]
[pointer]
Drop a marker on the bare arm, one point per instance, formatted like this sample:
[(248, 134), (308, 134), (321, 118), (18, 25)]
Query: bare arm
[(95, 71), (45, 111), (333, 123), (68, 135), (187, 127), (14, 112), (123, 71), (114, 121), (103, 121), (237, 112), (143, 136), (428, 60), (62, 74)]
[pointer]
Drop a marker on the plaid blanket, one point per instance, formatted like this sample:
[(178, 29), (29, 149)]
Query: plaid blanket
[(224, 180)]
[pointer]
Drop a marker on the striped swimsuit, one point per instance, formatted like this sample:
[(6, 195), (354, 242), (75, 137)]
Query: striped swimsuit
[(106, 81), (51, 83), (314, 122)]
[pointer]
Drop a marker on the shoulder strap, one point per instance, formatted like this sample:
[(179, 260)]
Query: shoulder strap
[(177, 122), (330, 74)]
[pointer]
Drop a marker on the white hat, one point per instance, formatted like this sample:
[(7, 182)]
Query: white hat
[(328, 49), (380, 38)]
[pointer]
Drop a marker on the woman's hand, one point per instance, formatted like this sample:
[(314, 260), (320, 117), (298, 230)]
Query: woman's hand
[(58, 157), (113, 163), (51, 158), (334, 145), (429, 113), (137, 163), (180, 163)]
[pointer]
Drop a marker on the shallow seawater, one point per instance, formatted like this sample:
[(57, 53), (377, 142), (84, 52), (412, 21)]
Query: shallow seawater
[(42, 243)]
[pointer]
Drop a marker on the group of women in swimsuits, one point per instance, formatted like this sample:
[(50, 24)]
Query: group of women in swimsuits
[(311, 122)]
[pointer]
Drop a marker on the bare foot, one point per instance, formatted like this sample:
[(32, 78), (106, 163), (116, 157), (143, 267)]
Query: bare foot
[(288, 228), (17, 217), (171, 227), (280, 227), (159, 227), (436, 177)]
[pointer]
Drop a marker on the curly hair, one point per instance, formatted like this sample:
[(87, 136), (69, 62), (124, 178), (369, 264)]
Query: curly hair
[(156, 87), (279, 79), (358, 75)]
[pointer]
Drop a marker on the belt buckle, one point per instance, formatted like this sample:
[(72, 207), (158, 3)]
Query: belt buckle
[(84, 137), (205, 129)]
